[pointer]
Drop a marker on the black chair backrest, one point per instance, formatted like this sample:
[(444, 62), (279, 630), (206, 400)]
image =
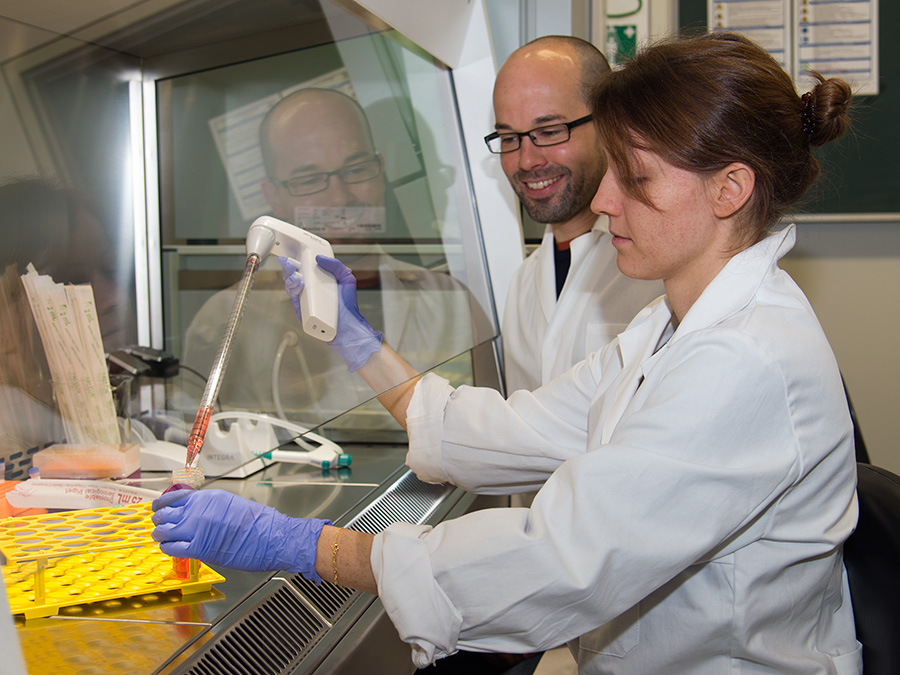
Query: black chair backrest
[(872, 557), (862, 453)]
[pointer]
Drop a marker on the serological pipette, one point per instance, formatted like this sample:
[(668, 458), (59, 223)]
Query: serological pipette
[(318, 303), (214, 383)]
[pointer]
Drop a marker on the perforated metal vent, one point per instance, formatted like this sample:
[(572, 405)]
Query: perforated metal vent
[(16, 464), (408, 501), (329, 599), (272, 639)]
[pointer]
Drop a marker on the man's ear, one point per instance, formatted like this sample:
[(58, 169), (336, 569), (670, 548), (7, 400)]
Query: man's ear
[(733, 187)]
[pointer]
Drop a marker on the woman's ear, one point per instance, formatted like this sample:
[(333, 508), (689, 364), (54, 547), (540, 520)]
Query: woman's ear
[(733, 187)]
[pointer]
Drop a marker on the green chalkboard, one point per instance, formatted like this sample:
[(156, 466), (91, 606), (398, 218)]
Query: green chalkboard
[(860, 172)]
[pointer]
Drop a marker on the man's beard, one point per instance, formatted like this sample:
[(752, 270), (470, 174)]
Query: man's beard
[(563, 206)]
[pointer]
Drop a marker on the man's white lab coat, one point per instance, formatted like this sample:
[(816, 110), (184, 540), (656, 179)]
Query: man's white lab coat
[(697, 486), (543, 337)]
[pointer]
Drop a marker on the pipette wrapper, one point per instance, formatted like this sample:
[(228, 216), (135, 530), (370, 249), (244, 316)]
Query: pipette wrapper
[(48, 493), (67, 320)]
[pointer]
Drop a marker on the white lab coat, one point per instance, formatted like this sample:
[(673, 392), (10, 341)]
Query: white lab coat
[(697, 486), (544, 336), (426, 316)]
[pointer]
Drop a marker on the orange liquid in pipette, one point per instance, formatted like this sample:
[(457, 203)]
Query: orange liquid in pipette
[(198, 433)]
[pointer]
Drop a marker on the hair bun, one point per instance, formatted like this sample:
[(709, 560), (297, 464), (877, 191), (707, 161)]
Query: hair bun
[(825, 114)]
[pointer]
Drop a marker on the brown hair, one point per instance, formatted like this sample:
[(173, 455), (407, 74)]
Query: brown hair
[(703, 102)]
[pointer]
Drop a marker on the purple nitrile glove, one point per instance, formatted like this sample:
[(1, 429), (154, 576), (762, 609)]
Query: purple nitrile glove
[(219, 528), (356, 340)]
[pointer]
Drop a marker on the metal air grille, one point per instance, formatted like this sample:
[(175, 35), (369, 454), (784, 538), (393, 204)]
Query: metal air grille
[(329, 599), (268, 641), (409, 500)]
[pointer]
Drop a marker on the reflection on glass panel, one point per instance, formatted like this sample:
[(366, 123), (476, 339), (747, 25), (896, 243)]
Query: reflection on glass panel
[(360, 145), (65, 209), (348, 140)]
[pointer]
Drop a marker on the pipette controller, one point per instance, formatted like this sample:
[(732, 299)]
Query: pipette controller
[(318, 303)]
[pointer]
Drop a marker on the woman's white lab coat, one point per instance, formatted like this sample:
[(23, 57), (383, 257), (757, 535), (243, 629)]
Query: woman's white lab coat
[(544, 336), (697, 486)]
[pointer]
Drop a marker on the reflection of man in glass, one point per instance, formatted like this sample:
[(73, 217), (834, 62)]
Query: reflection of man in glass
[(319, 157), (57, 230), (324, 174)]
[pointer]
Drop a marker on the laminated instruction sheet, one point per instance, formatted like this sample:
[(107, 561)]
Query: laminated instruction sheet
[(833, 37)]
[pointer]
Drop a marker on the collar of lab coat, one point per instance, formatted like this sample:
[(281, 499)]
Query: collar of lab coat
[(545, 279), (732, 288), (738, 282), (651, 331), (579, 244)]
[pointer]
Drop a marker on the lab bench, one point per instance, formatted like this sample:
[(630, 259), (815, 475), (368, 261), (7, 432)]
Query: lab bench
[(180, 82)]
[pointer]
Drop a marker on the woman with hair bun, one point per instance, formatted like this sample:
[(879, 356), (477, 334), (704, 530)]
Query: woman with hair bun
[(696, 476)]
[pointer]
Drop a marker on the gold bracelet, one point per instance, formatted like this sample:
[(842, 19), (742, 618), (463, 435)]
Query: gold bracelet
[(334, 549)]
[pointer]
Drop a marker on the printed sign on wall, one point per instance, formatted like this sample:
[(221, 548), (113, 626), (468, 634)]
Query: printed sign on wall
[(834, 38)]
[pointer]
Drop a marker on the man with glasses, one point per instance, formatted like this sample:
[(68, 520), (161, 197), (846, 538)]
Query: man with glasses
[(568, 299), (325, 175)]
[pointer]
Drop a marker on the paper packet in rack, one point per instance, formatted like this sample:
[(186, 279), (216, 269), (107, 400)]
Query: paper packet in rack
[(67, 320)]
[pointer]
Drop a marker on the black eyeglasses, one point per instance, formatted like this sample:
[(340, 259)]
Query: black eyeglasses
[(312, 183), (553, 134)]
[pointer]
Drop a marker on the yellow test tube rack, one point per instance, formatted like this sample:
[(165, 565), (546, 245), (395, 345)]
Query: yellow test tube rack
[(57, 560)]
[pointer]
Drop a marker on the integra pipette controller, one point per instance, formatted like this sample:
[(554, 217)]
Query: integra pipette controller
[(318, 300), (318, 303)]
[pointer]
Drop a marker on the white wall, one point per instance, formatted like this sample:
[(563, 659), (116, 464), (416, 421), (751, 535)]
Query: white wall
[(851, 274)]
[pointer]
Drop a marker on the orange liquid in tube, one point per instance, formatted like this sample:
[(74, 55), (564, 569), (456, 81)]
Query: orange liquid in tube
[(185, 479)]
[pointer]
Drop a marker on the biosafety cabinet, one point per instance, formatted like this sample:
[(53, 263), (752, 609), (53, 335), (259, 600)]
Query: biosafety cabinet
[(139, 149)]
